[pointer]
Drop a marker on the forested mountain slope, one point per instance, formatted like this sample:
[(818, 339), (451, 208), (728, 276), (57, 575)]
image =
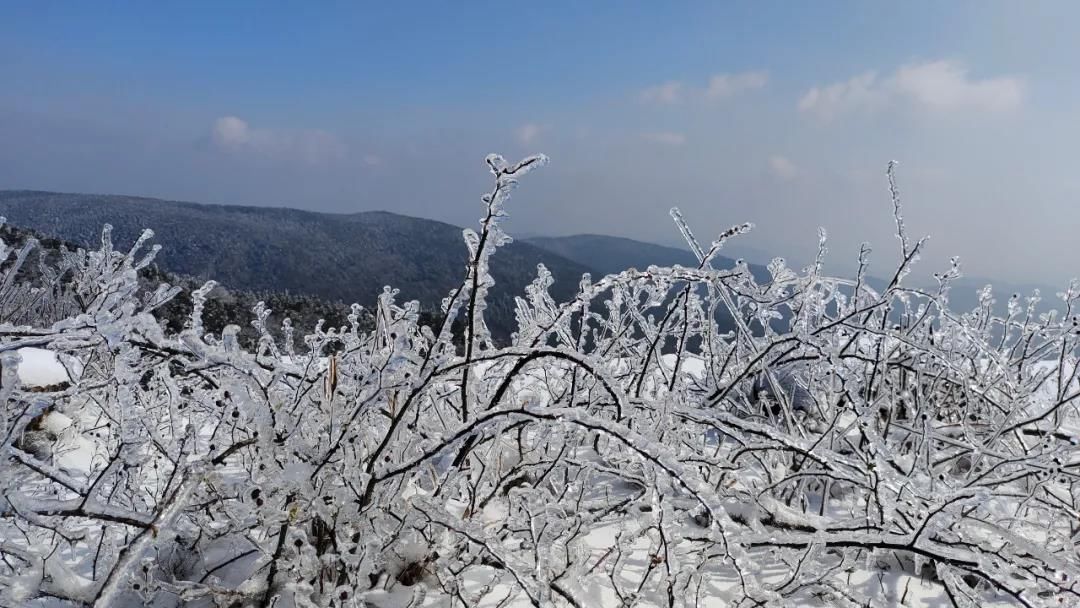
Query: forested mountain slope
[(346, 257)]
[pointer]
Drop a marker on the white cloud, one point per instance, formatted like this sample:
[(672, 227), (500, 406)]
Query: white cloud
[(936, 86), (667, 138), (783, 168), (945, 85), (528, 132), (722, 86), (861, 92), (310, 146), (662, 94), (231, 131)]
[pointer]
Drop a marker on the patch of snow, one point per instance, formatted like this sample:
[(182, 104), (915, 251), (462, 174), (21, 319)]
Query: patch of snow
[(40, 367)]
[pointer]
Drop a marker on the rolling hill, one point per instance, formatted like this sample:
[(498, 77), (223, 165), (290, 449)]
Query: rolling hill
[(346, 257)]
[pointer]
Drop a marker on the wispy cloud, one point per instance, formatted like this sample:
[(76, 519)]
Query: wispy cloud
[(859, 93), (782, 168), (937, 86), (662, 94), (308, 146), (722, 86), (719, 86), (528, 132), (667, 138)]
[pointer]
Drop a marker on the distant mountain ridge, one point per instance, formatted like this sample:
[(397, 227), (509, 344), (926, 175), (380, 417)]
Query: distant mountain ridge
[(332, 256), (611, 254), (350, 257)]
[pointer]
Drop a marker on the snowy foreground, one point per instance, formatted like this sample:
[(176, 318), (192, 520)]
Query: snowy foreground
[(840, 446)]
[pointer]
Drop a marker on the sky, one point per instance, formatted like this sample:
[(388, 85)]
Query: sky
[(784, 114)]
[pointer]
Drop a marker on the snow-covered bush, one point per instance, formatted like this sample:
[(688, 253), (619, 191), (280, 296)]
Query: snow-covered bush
[(842, 446)]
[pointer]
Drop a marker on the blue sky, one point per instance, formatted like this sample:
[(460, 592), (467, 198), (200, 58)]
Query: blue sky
[(780, 113)]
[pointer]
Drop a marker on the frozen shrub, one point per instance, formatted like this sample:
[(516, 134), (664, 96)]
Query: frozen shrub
[(842, 446)]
